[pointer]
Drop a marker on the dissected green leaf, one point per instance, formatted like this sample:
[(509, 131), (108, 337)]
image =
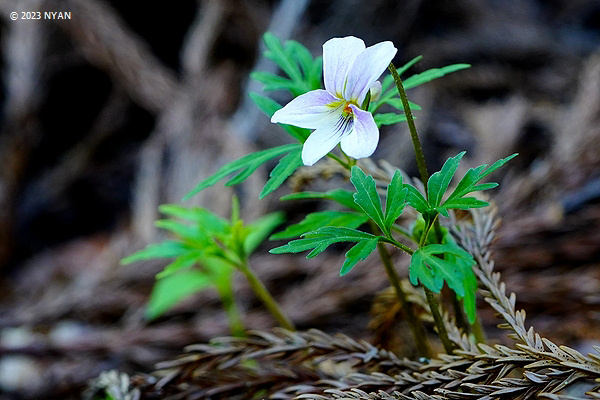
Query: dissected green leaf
[(366, 196), (269, 106), (311, 68), (341, 196), (432, 74), (415, 199), (260, 229), (388, 119), (395, 200), (388, 87), (172, 289), (409, 64), (438, 182), (166, 249), (359, 252), (396, 102), (176, 227), (303, 72), (182, 262), (275, 82), (286, 166), (276, 53), (469, 184), (244, 167), (432, 271), (435, 264), (465, 267), (322, 238), (319, 219), (205, 221)]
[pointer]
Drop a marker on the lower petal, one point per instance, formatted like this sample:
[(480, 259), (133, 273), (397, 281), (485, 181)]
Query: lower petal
[(307, 110), (319, 143), (362, 140)]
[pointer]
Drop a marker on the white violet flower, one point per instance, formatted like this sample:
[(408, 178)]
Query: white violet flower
[(350, 70)]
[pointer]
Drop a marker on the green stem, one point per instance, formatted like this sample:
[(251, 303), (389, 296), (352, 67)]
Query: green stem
[(439, 322), (233, 315), (415, 324), (459, 315), (431, 299), (477, 330), (425, 235), (411, 126), (399, 245), (339, 160), (263, 294)]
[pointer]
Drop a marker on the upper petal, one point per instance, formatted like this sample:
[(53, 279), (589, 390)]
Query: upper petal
[(338, 56), (365, 70), (307, 110), (363, 139)]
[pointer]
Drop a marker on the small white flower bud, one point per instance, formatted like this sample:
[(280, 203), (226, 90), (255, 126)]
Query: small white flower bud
[(375, 90)]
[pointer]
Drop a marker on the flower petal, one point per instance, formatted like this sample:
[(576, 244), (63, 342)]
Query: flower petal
[(338, 56), (363, 139), (367, 67), (307, 110), (325, 138)]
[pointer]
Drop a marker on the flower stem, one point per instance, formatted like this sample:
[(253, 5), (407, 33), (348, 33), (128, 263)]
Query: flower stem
[(339, 160), (263, 294), (411, 126), (431, 299), (439, 322), (415, 324)]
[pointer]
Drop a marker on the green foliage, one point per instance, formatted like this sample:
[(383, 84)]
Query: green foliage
[(303, 72), (415, 199), (341, 196), (417, 230), (166, 249), (287, 165), (395, 200), (205, 250), (172, 289), (260, 229), (469, 184), (388, 119), (269, 106), (303, 75), (245, 166), (438, 182), (316, 220), (438, 185), (367, 198), (322, 238), (453, 267), (431, 74), (389, 93), (321, 229)]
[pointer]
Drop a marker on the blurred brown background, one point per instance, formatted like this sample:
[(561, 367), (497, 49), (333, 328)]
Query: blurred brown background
[(129, 104)]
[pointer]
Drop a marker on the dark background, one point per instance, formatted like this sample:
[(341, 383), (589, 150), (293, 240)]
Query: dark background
[(130, 104)]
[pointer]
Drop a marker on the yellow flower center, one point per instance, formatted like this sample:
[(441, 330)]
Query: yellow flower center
[(347, 111)]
